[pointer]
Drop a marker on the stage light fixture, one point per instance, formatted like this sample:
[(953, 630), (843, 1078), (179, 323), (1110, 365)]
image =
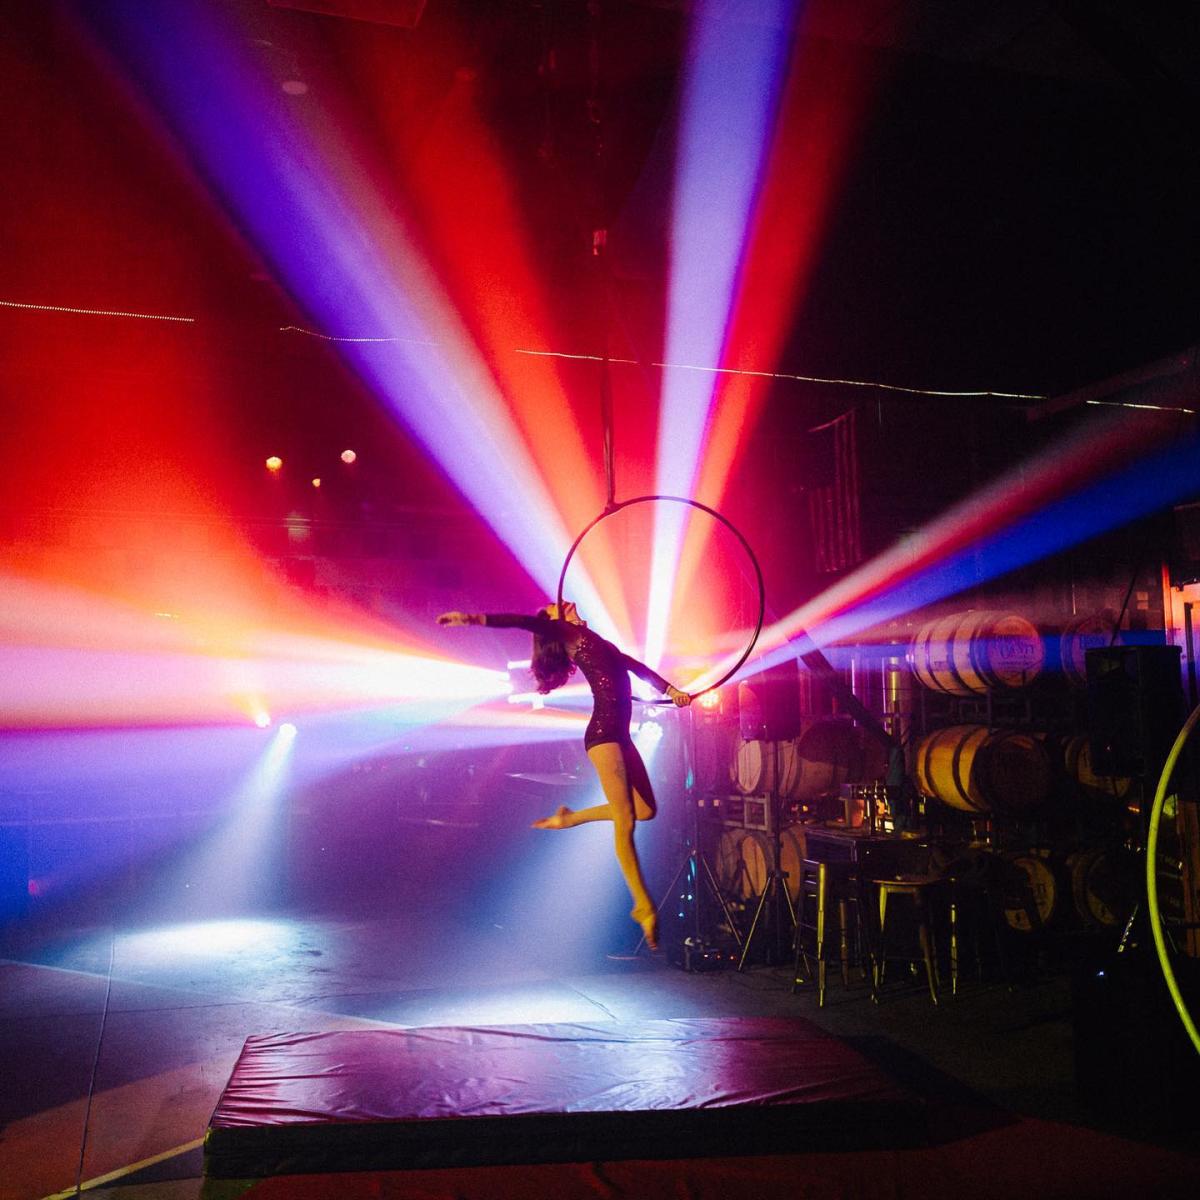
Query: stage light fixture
[(262, 719), (274, 463), (710, 701), (348, 456), (316, 481)]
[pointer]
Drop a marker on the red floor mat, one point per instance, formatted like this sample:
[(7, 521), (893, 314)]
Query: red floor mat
[(386, 1099)]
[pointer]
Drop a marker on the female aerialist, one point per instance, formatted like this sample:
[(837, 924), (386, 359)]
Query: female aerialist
[(560, 644)]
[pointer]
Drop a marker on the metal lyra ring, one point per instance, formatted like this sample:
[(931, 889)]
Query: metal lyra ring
[(712, 512)]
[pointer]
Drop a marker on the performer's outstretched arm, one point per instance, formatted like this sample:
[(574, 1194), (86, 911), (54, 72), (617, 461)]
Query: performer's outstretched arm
[(652, 677), (534, 624)]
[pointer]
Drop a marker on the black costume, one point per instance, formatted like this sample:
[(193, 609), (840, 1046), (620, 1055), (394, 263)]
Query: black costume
[(604, 667)]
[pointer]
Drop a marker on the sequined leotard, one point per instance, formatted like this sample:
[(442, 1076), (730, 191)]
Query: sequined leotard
[(604, 667)]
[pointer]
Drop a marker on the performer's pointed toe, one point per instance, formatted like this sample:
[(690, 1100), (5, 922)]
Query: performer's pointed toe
[(559, 820), (648, 920)]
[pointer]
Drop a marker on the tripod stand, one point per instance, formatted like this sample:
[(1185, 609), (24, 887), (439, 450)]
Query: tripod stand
[(768, 900), (694, 866)]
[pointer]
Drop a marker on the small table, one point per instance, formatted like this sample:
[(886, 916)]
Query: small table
[(859, 856)]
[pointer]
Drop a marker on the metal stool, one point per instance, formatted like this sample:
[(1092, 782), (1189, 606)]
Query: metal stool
[(974, 910), (820, 884), (918, 890)]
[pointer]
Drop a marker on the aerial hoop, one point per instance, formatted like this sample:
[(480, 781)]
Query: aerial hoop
[(615, 507), (1153, 908)]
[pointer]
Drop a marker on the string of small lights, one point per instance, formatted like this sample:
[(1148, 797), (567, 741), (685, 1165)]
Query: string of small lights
[(559, 354), (96, 312), (328, 337), (633, 362), (890, 387), (1191, 412)]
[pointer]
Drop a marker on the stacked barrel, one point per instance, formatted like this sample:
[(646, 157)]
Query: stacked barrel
[(1001, 771), (973, 653), (983, 771), (744, 859), (978, 771), (828, 753), (970, 767), (1010, 774)]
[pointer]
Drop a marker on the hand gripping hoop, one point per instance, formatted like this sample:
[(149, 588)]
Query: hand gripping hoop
[(614, 507)]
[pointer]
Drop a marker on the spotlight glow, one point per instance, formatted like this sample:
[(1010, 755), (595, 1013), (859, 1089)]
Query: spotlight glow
[(207, 939), (823, 105), (647, 736), (74, 659), (729, 102), (298, 184), (1109, 473), (274, 463), (235, 867)]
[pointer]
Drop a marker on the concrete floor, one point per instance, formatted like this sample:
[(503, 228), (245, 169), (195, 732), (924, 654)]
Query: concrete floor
[(129, 1033)]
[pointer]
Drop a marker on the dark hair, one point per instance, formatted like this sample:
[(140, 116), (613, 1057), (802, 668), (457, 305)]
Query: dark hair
[(550, 663)]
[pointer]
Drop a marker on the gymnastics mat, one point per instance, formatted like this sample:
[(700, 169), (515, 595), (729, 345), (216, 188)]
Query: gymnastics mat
[(302, 1103)]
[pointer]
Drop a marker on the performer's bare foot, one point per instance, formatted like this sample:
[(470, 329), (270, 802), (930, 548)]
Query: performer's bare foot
[(648, 920), (560, 820)]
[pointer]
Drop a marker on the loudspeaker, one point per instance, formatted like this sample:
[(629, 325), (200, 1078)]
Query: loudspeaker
[(769, 704), (1135, 708)]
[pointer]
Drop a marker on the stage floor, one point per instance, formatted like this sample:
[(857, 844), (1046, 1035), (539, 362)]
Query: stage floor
[(135, 1031)]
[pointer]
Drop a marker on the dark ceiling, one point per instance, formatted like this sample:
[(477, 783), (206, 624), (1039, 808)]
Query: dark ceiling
[(1021, 210)]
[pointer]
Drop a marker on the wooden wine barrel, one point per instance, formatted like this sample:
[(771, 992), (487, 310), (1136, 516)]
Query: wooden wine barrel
[(789, 768), (744, 858), (793, 850), (978, 771), (728, 866), (757, 855), (975, 652), (1077, 759), (1077, 638), (1031, 892), (826, 755), (753, 768), (1102, 892)]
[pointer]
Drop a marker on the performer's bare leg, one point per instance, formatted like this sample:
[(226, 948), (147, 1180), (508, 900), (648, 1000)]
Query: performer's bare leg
[(644, 804), (629, 799)]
